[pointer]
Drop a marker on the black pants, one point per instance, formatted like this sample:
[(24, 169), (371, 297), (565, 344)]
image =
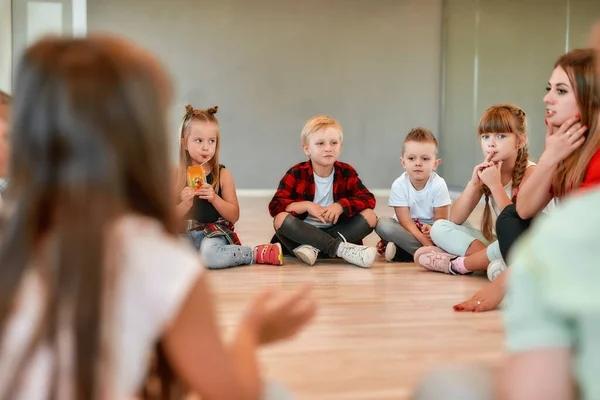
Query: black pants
[(509, 227), (295, 232)]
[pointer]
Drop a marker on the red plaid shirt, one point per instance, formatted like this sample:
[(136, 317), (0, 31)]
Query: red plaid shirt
[(298, 184)]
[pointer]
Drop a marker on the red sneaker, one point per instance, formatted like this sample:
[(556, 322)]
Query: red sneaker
[(271, 253)]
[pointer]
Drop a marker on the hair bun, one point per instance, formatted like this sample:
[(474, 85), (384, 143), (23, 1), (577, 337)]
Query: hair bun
[(189, 109), (213, 110)]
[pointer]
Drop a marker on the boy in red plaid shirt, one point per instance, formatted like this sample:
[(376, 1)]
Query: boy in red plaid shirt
[(321, 205)]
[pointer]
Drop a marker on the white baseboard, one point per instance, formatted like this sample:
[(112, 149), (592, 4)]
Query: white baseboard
[(269, 193), (255, 192)]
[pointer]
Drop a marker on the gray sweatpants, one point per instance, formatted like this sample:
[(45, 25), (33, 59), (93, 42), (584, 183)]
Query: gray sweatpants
[(390, 230)]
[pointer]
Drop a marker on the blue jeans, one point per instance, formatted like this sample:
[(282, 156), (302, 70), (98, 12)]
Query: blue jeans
[(216, 253), (390, 230)]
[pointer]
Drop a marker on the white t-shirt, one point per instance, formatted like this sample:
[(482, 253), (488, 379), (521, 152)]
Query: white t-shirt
[(323, 197), (508, 189), (421, 202), (154, 279)]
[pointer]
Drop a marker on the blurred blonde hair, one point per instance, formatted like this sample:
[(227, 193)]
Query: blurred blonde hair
[(318, 123)]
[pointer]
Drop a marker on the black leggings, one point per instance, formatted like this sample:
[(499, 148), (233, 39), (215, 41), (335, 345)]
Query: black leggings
[(295, 232), (509, 227)]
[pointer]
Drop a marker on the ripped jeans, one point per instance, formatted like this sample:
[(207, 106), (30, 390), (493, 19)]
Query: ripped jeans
[(217, 253)]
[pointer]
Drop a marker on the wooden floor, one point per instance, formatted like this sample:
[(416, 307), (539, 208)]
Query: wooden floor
[(377, 331)]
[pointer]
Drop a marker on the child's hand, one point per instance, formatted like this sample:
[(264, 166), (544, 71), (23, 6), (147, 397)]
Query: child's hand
[(207, 192), (316, 211), (425, 229), (333, 212), (491, 175), (188, 194), (273, 317), (480, 167), (563, 142)]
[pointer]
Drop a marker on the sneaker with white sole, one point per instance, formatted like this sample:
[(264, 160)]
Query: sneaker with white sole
[(390, 251), (361, 256), (495, 268), (434, 259), (307, 254)]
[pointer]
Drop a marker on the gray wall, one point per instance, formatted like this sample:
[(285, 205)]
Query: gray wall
[(5, 46), (21, 19), (272, 64), (502, 52)]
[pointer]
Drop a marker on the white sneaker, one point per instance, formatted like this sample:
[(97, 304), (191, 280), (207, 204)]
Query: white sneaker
[(390, 251), (307, 254), (495, 268), (361, 256)]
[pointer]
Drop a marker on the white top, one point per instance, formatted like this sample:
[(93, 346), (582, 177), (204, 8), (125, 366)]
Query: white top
[(420, 202), (156, 274), (508, 189), (323, 197)]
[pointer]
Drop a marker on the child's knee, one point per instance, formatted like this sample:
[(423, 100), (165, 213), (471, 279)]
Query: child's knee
[(439, 228), (384, 226), (370, 216), (207, 253), (279, 218)]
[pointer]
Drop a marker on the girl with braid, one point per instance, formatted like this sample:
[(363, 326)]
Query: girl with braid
[(462, 248)]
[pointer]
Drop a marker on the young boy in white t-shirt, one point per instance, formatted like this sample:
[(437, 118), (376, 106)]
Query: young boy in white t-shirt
[(419, 197)]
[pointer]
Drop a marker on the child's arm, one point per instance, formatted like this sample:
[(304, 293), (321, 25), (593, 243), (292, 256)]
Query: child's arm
[(466, 203), (187, 201), (492, 177), (226, 204), (441, 200), (360, 199), (283, 200), (468, 199), (441, 213), (499, 195), (404, 218)]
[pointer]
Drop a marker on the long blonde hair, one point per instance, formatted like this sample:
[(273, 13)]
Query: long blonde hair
[(504, 118), (579, 66), (185, 160)]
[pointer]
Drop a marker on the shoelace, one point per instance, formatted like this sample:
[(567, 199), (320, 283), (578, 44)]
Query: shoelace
[(354, 251)]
